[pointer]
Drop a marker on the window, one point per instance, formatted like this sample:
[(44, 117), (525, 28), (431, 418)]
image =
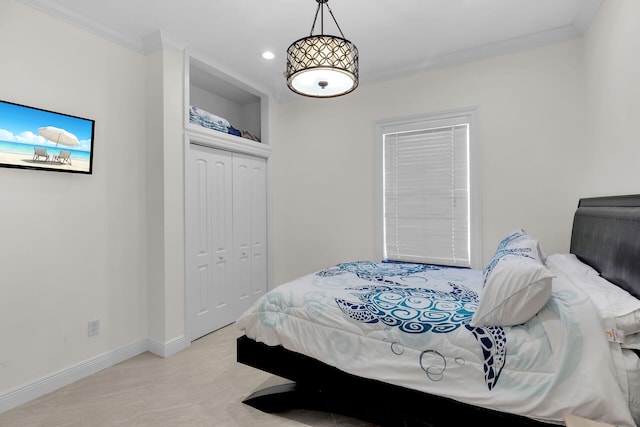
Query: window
[(427, 189)]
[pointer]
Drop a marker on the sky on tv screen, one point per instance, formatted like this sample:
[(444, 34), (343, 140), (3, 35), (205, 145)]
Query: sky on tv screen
[(19, 124)]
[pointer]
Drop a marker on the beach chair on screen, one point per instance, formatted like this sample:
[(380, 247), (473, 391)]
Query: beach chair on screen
[(40, 152), (63, 157)]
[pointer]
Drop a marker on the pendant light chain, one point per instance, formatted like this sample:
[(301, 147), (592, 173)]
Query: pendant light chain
[(334, 20), (313, 26), (320, 10)]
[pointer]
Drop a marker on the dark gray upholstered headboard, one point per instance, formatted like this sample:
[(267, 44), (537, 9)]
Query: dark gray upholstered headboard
[(606, 235)]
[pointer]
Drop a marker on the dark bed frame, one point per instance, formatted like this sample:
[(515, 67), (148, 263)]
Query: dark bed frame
[(605, 235)]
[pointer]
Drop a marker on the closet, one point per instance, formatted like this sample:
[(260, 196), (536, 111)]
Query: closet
[(226, 199)]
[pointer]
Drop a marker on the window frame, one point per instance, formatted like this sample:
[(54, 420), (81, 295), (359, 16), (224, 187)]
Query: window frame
[(384, 126)]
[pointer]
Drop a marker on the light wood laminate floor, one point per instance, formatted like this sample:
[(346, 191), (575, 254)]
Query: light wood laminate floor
[(200, 386)]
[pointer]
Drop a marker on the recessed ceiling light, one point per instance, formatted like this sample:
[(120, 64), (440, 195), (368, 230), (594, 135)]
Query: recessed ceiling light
[(268, 55)]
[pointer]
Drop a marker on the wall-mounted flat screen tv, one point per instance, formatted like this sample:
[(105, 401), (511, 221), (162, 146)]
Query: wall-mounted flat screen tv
[(33, 138)]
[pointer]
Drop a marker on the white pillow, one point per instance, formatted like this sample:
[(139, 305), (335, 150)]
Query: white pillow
[(629, 323), (611, 300), (624, 307), (570, 264), (516, 283), (631, 341)]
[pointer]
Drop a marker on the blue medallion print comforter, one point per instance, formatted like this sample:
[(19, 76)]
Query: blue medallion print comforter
[(408, 324)]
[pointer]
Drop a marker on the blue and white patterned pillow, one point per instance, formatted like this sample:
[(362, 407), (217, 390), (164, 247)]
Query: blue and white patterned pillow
[(509, 247), (517, 283)]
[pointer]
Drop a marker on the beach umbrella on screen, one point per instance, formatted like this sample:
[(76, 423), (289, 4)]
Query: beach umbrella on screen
[(59, 136)]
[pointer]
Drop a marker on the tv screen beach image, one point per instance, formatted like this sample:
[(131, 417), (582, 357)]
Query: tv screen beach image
[(34, 138)]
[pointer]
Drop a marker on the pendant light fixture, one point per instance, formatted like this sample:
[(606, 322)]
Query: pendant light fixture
[(322, 66)]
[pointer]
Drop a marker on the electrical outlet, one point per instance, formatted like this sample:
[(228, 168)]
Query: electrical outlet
[(93, 328)]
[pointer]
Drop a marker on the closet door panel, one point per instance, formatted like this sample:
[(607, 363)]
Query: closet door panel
[(221, 218), (242, 231), (258, 228), (209, 222)]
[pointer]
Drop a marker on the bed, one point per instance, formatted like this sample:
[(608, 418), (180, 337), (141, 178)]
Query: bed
[(523, 342)]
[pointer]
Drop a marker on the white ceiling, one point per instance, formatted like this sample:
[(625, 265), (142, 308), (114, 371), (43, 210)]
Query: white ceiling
[(394, 37)]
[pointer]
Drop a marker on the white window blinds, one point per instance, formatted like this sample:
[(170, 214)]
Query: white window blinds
[(426, 197)]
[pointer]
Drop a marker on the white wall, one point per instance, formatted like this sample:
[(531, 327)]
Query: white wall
[(173, 261), (165, 201), (556, 124), (72, 247), (612, 48), (531, 116)]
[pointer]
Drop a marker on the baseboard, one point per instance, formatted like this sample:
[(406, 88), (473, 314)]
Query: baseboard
[(169, 348), (37, 388)]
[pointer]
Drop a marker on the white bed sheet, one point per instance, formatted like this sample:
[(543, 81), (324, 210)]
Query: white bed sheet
[(408, 324)]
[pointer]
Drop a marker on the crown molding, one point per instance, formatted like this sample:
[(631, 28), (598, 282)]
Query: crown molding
[(151, 43)]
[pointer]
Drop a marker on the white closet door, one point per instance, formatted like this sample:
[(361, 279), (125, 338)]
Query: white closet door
[(249, 229), (209, 218), (241, 231), (258, 228)]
